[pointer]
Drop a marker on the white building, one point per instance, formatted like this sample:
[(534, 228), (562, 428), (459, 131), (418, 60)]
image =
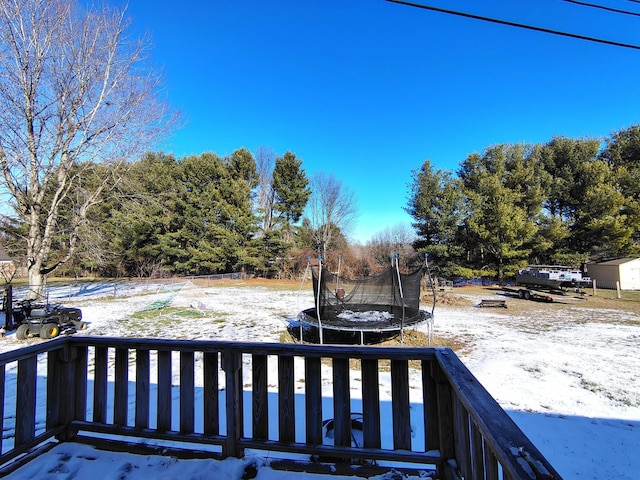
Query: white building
[(7, 266), (623, 270)]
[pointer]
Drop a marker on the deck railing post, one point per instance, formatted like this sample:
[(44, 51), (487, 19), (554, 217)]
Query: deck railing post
[(286, 399), (142, 388), (66, 388), (54, 390), (260, 397), (400, 404), (80, 364), (313, 400), (371, 403), (341, 402), (430, 405), (232, 366), (211, 393), (446, 427), (164, 391), (100, 384), (187, 392), (26, 401), (121, 386)]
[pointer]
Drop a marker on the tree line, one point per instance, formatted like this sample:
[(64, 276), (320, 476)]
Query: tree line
[(200, 215), (566, 201)]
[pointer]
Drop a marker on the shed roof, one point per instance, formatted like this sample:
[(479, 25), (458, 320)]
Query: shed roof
[(618, 261)]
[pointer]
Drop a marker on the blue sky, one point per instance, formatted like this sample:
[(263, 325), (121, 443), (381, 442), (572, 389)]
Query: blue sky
[(368, 90)]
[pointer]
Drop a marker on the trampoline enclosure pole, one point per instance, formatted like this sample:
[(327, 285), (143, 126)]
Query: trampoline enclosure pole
[(338, 276), (318, 298), (304, 277), (401, 296), (433, 291)]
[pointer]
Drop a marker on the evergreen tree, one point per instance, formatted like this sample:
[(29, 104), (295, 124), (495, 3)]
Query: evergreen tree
[(283, 200), (291, 188), (132, 222), (499, 216), (436, 205), (602, 227), (216, 215), (622, 153)]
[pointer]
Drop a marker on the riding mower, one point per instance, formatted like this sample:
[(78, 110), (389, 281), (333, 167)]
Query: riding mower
[(45, 320)]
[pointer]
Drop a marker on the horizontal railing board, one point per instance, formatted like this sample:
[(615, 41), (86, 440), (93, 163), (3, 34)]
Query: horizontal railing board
[(430, 457), (31, 454), (116, 444), (351, 470), (306, 350), (35, 349), (332, 451), (132, 432), (34, 442), (508, 443)]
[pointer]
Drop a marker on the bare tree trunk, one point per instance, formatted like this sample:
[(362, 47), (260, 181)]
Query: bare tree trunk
[(37, 283), (265, 159)]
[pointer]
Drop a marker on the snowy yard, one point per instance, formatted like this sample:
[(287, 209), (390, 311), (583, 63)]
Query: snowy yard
[(566, 373)]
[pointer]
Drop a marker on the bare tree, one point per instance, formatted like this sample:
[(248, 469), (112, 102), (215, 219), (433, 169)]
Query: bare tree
[(333, 209), (265, 160), (75, 91), (395, 239)]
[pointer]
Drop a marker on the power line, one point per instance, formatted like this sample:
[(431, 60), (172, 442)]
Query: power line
[(518, 25), (602, 7)]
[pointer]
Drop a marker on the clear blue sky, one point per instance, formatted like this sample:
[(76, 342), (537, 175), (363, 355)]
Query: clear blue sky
[(368, 90)]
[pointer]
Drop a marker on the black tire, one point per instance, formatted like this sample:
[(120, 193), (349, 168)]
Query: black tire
[(527, 295), (22, 332), (520, 294), (49, 330), (80, 325)]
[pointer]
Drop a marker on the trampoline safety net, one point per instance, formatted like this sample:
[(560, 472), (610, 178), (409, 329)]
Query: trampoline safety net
[(389, 291)]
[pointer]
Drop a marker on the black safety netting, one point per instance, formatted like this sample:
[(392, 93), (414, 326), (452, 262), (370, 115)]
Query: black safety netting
[(385, 301)]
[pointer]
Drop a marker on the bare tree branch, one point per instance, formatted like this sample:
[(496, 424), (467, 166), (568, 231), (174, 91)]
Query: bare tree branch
[(332, 206)]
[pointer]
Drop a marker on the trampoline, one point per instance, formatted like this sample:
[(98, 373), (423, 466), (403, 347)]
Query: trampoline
[(379, 306)]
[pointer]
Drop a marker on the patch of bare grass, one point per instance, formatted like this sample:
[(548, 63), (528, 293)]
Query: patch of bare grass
[(451, 299)]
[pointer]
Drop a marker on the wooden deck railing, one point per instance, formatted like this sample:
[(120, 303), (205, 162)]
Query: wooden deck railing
[(220, 395)]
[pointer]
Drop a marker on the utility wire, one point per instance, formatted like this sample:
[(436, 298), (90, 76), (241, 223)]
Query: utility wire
[(602, 7), (518, 25)]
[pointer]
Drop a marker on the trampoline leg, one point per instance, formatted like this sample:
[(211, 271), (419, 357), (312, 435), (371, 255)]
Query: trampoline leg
[(361, 337)]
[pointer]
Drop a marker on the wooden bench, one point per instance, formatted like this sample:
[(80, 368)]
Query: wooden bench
[(493, 303)]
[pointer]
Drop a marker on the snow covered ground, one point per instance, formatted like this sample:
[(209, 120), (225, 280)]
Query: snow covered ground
[(566, 373)]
